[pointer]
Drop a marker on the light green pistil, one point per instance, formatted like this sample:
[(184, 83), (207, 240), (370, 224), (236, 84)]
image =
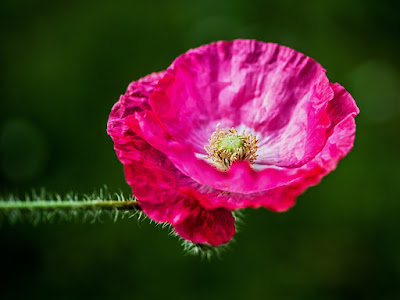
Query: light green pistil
[(228, 146), (231, 143)]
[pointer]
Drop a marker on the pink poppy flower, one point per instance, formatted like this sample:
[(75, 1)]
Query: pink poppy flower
[(227, 126)]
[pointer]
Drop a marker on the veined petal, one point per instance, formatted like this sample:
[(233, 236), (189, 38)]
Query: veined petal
[(277, 92)]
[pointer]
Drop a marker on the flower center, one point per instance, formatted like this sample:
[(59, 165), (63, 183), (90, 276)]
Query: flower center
[(229, 146)]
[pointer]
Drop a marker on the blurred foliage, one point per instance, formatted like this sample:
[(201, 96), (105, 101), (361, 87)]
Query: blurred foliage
[(64, 64)]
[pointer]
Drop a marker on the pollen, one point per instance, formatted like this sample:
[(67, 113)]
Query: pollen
[(228, 146)]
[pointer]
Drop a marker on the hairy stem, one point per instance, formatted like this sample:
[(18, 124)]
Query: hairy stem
[(48, 205)]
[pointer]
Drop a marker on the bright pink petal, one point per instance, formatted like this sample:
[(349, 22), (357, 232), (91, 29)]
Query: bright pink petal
[(163, 192), (342, 110), (127, 144), (277, 92)]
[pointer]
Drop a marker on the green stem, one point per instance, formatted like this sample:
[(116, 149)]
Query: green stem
[(53, 205)]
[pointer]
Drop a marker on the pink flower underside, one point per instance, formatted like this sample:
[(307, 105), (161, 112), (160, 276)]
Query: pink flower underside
[(157, 162), (164, 193)]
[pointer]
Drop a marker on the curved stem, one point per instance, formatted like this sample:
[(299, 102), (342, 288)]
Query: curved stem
[(53, 205)]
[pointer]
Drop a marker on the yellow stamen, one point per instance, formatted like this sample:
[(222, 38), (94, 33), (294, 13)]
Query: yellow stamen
[(229, 146)]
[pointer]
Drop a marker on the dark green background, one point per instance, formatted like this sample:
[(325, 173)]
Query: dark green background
[(63, 64)]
